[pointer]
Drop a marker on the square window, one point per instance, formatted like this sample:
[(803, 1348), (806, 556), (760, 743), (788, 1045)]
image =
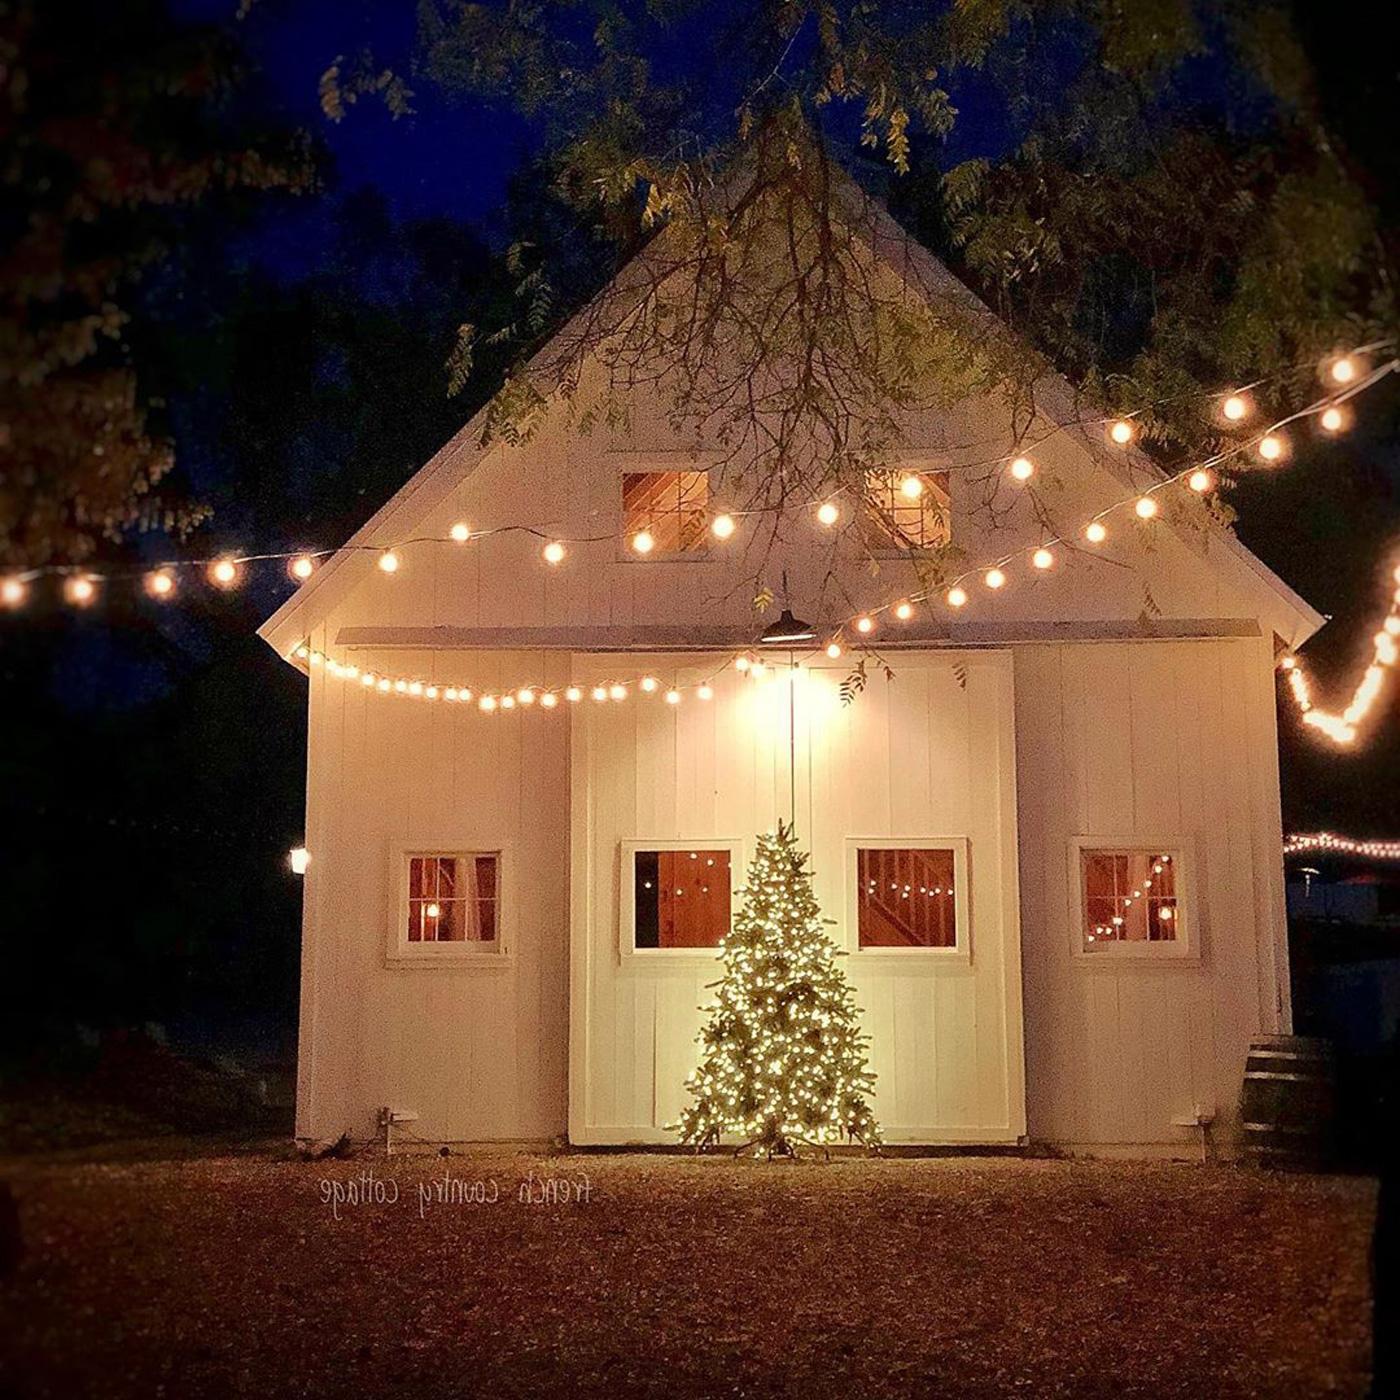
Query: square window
[(681, 898), (673, 506), (899, 520), (1129, 897), (906, 897), (453, 899)]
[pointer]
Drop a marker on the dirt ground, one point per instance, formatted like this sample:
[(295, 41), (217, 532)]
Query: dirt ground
[(505, 1274)]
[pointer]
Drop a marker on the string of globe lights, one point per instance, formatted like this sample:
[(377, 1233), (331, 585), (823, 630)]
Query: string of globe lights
[(1329, 411), (1347, 375), (1325, 843)]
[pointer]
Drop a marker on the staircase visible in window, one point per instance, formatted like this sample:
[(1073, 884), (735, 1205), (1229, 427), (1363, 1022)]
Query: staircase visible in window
[(909, 509), (671, 506)]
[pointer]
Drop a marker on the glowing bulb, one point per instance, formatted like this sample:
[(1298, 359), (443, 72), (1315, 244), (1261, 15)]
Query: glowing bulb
[(389, 562), (1235, 408), (643, 542), (904, 611), (1333, 420), (385, 685), (833, 650), (617, 692), (507, 702), (487, 703), (994, 578), (1145, 507), (673, 697), (649, 684), (1121, 431), (1271, 447), (1042, 558), (548, 700), (433, 911), (1200, 481), (705, 692), (722, 526), (573, 695), (1095, 532), (430, 692), (865, 624), (160, 584), (461, 532), (911, 488), (1343, 370), (298, 858), (600, 693), (957, 597), (827, 513), (223, 573), (1023, 469), (554, 552), (80, 590), (741, 663), (13, 592), (525, 695)]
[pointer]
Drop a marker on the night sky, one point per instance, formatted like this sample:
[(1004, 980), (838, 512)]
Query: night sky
[(167, 754)]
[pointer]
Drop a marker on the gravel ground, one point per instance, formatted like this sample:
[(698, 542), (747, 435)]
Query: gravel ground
[(675, 1276)]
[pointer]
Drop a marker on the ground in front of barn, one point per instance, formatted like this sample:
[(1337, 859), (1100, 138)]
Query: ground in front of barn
[(186, 1272)]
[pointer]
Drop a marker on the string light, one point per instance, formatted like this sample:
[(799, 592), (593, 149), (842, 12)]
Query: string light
[(13, 592), (1200, 481), (617, 692), (1023, 468), (389, 562), (827, 514), (1334, 420), (643, 542), (911, 488), (957, 597), (600, 693), (722, 526), (299, 859), (160, 583), (525, 695), (302, 567), (904, 610), (704, 692), (1096, 532), (1324, 842), (1343, 370), (223, 573), (742, 664), (1042, 558), (1271, 447), (865, 624), (460, 532), (673, 697), (1236, 408), (649, 684), (554, 552), (80, 590), (1145, 507), (994, 578), (573, 695), (548, 700), (833, 650), (1121, 431)]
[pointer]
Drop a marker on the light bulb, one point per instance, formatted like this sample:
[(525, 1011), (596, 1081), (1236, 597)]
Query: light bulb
[(649, 684), (904, 611), (957, 597), (600, 692), (302, 567), (617, 692), (827, 513), (1271, 447), (525, 695), (80, 590), (994, 578), (705, 692), (1042, 558), (1145, 507), (13, 592), (433, 911), (1235, 408), (643, 542), (741, 663), (554, 552), (223, 573), (461, 532), (1343, 370), (160, 583), (865, 624), (1095, 532), (673, 697), (1121, 431), (722, 526), (1332, 420), (833, 650), (911, 488), (1200, 481), (573, 695), (507, 702), (548, 700), (487, 703), (1023, 469)]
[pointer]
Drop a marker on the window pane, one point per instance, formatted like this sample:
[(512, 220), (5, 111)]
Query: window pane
[(452, 899), (672, 505), (906, 898), (1129, 897), (680, 898), (901, 521)]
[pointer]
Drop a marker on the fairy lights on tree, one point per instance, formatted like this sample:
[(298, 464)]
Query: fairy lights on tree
[(784, 1062)]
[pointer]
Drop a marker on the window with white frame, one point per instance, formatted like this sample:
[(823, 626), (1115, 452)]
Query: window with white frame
[(910, 894), (451, 899), (908, 508), (670, 505), (1130, 897), (676, 896)]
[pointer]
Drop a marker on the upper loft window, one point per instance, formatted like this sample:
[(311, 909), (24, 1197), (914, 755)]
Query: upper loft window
[(671, 506), (453, 899), (906, 897), (910, 509)]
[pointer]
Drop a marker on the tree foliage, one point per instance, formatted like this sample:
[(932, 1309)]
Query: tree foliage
[(109, 142)]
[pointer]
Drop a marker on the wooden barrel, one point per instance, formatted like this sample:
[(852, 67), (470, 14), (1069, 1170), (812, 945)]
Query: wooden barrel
[(1286, 1109)]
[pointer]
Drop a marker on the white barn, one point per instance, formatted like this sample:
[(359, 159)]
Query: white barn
[(1050, 844)]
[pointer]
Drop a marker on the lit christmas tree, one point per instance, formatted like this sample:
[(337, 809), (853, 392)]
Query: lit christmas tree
[(784, 1059)]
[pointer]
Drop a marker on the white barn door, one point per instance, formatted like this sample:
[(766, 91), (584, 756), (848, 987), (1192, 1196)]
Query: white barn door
[(913, 784)]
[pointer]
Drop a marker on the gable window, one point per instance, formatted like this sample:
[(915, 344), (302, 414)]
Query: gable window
[(676, 896), (1130, 898), (903, 520), (671, 506), (451, 900), (909, 895)]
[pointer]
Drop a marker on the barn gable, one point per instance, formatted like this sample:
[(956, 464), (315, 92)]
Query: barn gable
[(1180, 575)]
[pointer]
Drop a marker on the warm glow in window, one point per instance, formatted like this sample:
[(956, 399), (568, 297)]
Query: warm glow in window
[(680, 898), (671, 506), (454, 899), (1129, 897), (905, 898), (905, 521)]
